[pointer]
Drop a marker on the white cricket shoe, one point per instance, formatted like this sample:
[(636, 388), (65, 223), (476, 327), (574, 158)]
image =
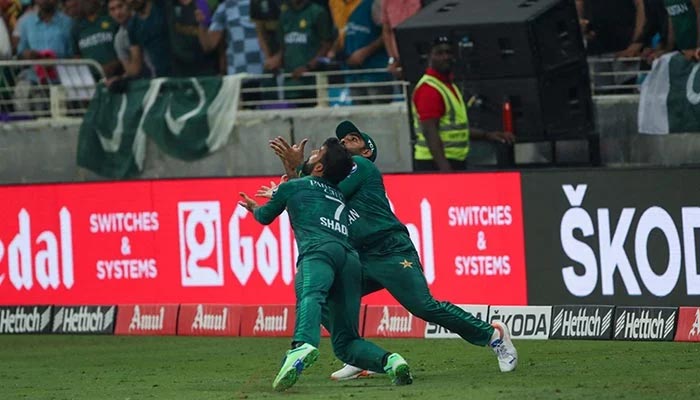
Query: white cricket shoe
[(503, 347), (349, 372)]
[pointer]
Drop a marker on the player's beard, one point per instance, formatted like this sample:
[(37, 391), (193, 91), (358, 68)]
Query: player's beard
[(308, 167)]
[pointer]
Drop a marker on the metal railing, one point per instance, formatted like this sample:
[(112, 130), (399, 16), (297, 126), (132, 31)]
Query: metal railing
[(614, 76), (325, 89), (55, 89), (47, 88)]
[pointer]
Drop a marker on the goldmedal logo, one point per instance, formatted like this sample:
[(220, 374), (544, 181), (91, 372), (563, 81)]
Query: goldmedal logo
[(39, 258)]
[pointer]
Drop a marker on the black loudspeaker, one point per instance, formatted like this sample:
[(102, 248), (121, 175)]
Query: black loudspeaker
[(554, 105), (494, 38)]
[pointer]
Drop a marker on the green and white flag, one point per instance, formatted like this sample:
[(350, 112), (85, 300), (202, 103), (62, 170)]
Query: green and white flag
[(670, 97), (187, 118)]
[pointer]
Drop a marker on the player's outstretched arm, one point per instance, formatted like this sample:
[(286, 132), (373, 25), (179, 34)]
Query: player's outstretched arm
[(267, 191), (267, 213)]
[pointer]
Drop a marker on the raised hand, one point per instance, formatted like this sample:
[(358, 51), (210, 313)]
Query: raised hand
[(291, 156), (268, 191), (247, 202)]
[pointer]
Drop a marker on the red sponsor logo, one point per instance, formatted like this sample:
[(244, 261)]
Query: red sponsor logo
[(146, 319), (58, 248), (275, 320), (209, 320), (392, 321), (688, 329)]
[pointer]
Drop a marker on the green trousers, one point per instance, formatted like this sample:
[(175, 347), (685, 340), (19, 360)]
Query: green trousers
[(401, 274), (330, 278), (393, 264)]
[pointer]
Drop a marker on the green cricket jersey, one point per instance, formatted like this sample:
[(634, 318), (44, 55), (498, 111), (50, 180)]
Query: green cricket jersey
[(316, 210), (95, 39), (685, 24), (371, 218), (302, 32)]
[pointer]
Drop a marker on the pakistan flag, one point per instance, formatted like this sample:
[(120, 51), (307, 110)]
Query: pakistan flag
[(187, 118), (669, 101)]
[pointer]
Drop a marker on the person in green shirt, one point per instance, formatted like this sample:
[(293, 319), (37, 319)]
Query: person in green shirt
[(305, 34), (389, 258), (93, 37), (328, 268), (189, 57), (683, 25)]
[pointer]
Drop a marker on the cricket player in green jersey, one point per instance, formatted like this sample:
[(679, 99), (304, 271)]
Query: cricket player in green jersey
[(328, 269), (389, 258)]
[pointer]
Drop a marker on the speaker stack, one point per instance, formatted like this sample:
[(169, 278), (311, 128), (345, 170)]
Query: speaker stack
[(527, 52)]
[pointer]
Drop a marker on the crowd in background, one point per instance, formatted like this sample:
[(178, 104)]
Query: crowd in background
[(133, 39), (640, 28), (153, 38)]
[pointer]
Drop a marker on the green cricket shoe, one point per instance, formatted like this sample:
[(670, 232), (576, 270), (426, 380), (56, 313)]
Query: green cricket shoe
[(398, 370), (295, 361)]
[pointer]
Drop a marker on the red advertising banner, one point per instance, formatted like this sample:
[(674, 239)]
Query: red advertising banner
[(273, 320), (688, 328), (392, 321), (187, 241), (468, 230), (209, 320), (146, 319)]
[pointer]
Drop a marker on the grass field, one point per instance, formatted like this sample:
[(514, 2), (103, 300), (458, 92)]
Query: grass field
[(114, 367)]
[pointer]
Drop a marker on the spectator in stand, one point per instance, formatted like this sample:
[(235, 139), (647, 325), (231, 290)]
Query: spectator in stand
[(29, 9), (46, 32), (612, 29), (10, 11), (440, 116), (121, 14), (683, 24), (72, 8), (266, 14), (364, 49), (306, 34), (242, 49), (93, 37), (654, 37), (148, 36), (5, 42), (189, 57), (340, 12), (395, 12)]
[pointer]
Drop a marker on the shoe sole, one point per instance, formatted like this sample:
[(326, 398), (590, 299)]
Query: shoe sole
[(403, 375), (363, 374), (291, 376)]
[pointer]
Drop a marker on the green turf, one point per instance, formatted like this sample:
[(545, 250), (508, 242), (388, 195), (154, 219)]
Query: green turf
[(112, 367)]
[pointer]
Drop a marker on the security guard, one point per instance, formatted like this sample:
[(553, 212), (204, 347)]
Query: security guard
[(440, 116)]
